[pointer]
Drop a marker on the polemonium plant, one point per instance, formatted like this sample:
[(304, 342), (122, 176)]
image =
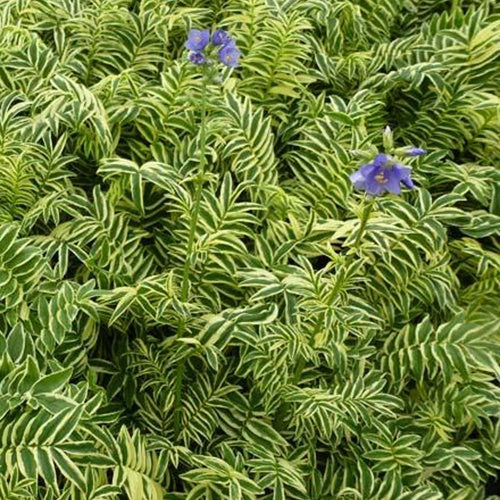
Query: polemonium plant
[(205, 49), (385, 173)]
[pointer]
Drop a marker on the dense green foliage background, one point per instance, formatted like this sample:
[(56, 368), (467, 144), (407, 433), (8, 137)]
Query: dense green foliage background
[(303, 364)]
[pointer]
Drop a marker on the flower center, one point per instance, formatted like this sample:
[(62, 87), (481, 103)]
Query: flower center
[(381, 178)]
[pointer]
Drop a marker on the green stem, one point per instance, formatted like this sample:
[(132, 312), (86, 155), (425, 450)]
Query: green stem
[(365, 215), (282, 410), (197, 198), (179, 373)]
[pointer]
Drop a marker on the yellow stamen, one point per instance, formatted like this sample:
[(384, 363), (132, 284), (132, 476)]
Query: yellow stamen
[(381, 178)]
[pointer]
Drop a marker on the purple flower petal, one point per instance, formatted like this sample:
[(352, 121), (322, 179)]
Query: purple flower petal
[(408, 183), (358, 179), (381, 180), (381, 159), (367, 169), (197, 40), (197, 58), (361, 175), (229, 56), (373, 187), (222, 37), (403, 174), (413, 151), (381, 176), (392, 185)]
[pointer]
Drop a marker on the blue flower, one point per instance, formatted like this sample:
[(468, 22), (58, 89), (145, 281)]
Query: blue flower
[(413, 151), (222, 37), (201, 50), (229, 55), (197, 40), (197, 58), (382, 175)]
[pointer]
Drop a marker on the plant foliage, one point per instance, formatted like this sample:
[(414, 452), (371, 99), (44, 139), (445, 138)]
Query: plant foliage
[(301, 363)]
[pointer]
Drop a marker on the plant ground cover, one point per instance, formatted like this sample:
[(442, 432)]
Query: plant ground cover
[(195, 302)]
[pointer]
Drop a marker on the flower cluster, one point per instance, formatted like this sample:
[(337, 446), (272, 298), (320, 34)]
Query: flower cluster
[(199, 41), (384, 173), (381, 175)]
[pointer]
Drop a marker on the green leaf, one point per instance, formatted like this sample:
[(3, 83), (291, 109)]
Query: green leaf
[(53, 382)]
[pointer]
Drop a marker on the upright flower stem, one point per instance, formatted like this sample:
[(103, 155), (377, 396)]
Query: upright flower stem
[(179, 374), (279, 421), (365, 215), (197, 195)]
